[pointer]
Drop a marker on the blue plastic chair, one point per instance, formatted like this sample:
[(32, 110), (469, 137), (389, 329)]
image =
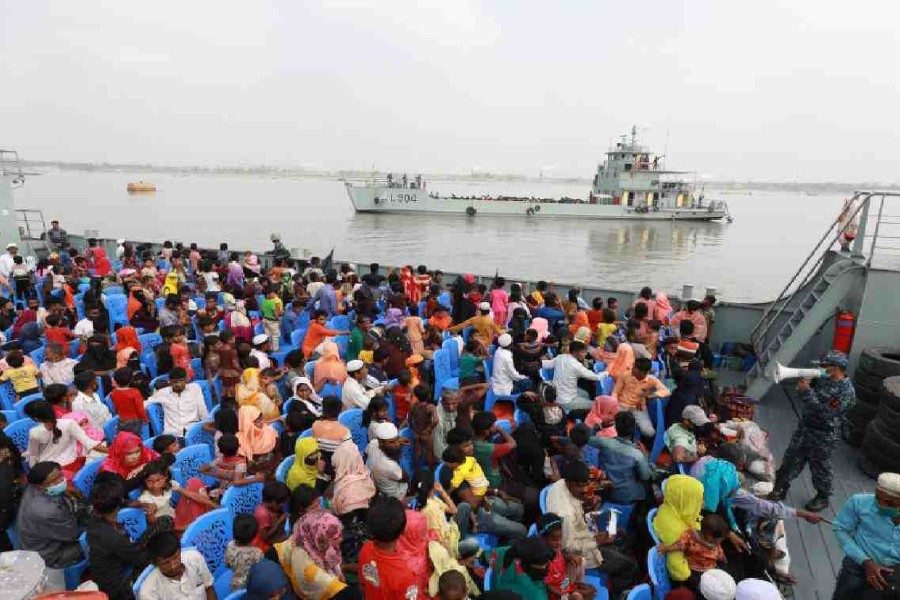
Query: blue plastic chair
[(222, 583), (207, 393), (238, 595), (624, 511), (521, 417), (9, 415), (157, 419), (18, 430), (407, 452), (149, 341), (133, 521), (7, 396), (21, 404), (73, 574), (650, 516), (659, 574), (658, 417), (38, 355), (196, 434), (331, 389), (443, 371), (504, 424), (306, 433), (84, 478), (210, 534), (189, 460), (590, 455), (542, 499), (161, 378), (491, 398), (342, 341), (309, 369), (243, 499), (297, 337), (283, 467), (641, 592), (110, 429), (452, 348), (136, 588), (148, 363), (197, 367), (352, 420), (489, 579)]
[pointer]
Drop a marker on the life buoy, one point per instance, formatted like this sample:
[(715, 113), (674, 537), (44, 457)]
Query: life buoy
[(537, 208), (530, 212), (470, 210)]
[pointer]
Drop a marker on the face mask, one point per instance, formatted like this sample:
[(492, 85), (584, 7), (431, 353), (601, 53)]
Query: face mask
[(889, 511), (57, 489)]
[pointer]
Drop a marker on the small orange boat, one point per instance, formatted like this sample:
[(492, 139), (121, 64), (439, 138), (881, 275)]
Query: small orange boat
[(141, 187)]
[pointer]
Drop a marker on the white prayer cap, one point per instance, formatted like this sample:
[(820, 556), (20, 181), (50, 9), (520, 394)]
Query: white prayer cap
[(120, 241), (504, 340), (260, 339), (889, 483), (385, 431), (484, 306), (12, 245), (757, 589), (355, 365), (716, 584)]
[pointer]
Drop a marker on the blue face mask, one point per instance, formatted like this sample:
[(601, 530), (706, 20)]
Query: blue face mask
[(57, 489)]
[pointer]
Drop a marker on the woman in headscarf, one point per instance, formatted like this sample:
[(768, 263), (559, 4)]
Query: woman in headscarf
[(97, 357), (602, 416), (353, 485), (622, 363), (30, 337), (517, 324), (237, 321), (398, 349), (307, 464), (141, 313), (541, 326), (171, 284), (127, 346), (393, 317), (720, 481), (312, 556), (305, 394), (521, 568), (413, 546), (127, 455), (463, 308), (579, 320), (663, 308), (257, 438), (249, 394), (680, 511), (329, 368), (102, 266), (266, 580)]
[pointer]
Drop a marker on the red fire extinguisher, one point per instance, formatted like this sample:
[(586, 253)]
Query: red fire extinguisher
[(844, 323)]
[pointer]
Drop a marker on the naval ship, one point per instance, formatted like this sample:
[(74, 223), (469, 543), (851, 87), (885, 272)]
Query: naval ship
[(631, 183)]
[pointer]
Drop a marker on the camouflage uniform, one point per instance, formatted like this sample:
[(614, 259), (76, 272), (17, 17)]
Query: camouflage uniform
[(825, 406)]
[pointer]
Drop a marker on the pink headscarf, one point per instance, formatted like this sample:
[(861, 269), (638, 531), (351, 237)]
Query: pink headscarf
[(353, 486), (604, 409), (663, 308), (413, 545), (623, 362), (85, 423), (542, 327), (319, 533)]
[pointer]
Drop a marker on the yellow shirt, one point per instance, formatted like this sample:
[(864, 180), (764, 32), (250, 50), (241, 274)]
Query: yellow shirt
[(470, 472), (24, 378), (604, 330), (366, 356)]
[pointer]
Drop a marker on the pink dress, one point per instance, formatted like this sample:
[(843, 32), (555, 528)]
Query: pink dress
[(500, 306), (181, 357)]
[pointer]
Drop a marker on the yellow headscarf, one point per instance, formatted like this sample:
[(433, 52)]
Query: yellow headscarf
[(679, 512), (249, 394), (300, 472), (171, 284)]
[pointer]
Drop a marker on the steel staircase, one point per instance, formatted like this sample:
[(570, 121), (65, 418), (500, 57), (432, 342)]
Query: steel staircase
[(808, 301)]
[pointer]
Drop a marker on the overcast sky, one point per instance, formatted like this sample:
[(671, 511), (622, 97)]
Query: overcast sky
[(803, 89)]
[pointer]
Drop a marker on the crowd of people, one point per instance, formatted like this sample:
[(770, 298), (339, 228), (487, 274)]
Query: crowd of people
[(410, 437)]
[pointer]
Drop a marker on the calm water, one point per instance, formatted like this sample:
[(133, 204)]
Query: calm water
[(750, 259)]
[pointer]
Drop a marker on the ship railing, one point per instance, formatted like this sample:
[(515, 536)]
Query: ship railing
[(808, 268), (10, 166), (31, 224)]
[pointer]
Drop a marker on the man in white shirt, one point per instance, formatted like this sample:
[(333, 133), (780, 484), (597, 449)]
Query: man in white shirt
[(260, 351), (354, 394), (85, 327), (88, 401), (567, 370), (383, 455), (6, 260), (504, 375), (179, 574), (182, 402)]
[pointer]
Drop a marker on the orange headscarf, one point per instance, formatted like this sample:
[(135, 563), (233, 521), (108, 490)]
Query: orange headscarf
[(329, 367), (127, 337), (254, 440), (623, 362), (580, 320)]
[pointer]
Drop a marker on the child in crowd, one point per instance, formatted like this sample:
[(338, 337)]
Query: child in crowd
[(377, 412), (367, 353), (24, 377), (384, 571), (566, 571), (702, 549), (267, 379), (329, 433), (295, 423), (58, 332), (179, 574), (57, 367), (240, 553), (128, 402), (229, 466), (423, 419), (270, 515), (401, 393), (166, 445), (181, 354)]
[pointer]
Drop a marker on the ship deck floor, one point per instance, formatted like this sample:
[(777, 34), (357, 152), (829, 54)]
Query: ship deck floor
[(815, 554)]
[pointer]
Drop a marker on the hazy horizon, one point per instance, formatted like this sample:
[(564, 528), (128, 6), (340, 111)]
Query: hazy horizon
[(760, 92)]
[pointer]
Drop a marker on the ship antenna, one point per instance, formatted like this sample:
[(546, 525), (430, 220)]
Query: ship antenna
[(666, 149)]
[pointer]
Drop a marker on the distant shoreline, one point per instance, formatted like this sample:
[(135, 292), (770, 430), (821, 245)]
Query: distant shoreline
[(811, 187)]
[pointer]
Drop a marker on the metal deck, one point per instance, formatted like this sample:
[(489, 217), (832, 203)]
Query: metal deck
[(815, 554)]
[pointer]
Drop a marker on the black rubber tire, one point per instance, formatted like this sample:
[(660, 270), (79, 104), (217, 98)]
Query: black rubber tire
[(889, 394), (862, 413), (884, 362), (869, 467), (855, 437), (867, 379), (866, 395), (881, 444), (888, 419)]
